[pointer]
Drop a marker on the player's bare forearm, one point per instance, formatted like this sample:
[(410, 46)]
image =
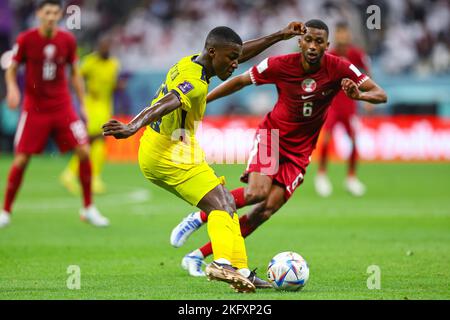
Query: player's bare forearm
[(230, 86), (165, 105), (252, 48), (368, 91), (13, 92)]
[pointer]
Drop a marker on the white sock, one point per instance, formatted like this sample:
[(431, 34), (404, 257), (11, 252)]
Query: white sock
[(223, 261), (245, 272), (197, 253)]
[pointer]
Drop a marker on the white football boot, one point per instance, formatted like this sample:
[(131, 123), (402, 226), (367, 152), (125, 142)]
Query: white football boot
[(193, 264), (354, 186), (5, 219), (185, 228), (93, 216), (323, 185)]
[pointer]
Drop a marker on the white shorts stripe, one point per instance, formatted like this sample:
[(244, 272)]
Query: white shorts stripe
[(20, 127)]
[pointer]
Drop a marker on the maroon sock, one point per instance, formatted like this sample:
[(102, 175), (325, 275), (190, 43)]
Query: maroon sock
[(239, 197), (352, 162), (13, 185), (323, 158), (246, 230), (85, 180)]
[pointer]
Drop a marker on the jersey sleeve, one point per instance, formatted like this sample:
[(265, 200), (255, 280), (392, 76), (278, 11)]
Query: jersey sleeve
[(19, 49), (348, 70), (189, 91), (265, 72)]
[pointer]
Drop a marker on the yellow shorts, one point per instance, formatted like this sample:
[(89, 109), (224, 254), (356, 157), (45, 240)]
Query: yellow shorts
[(98, 113), (189, 181)]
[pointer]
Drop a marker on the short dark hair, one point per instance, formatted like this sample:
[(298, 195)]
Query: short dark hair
[(342, 25), (317, 24), (222, 35), (42, 3)]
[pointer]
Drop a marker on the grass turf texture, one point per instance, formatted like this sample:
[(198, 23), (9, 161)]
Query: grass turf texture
[(402, 225)]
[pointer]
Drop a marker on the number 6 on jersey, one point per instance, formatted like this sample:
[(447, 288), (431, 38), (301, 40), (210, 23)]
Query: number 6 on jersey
[(307, 109)]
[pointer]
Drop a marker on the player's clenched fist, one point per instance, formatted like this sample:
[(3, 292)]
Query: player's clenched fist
[(350, 88), (294, 29), (117, 129)]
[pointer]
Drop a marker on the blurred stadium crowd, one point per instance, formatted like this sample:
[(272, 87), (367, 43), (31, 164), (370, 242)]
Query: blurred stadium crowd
[(410, 52), (152, 34)]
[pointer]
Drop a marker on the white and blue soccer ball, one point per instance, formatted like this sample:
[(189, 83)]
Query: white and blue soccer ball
[(288, 271)]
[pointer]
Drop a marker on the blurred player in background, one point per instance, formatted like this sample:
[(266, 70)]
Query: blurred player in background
[(47, 106), (100, 72), (306, 83), (343, 111), (171, 157)]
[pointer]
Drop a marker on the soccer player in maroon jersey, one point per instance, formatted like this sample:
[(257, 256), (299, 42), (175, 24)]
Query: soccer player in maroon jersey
[(47, 107), (342, 111), (306, 83)]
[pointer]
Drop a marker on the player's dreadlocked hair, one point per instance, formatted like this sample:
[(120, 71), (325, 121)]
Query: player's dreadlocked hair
[(222, 35), (317, 24), (42, 3)]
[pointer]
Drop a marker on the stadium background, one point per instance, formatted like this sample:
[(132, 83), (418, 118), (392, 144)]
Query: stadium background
[(410, 56), (406, 209)]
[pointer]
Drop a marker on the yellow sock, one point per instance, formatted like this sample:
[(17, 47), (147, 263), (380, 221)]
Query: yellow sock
[(221, 234), (73, 166), (239, 258), (98, 155)]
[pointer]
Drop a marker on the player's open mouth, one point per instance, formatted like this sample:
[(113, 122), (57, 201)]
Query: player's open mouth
[(312, 56)]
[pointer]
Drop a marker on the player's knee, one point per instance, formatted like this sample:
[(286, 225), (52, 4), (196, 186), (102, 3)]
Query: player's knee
[(21, 161), (256, 195), (82, 152)]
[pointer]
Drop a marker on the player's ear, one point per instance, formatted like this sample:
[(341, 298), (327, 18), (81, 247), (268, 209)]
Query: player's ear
[(211, 52)]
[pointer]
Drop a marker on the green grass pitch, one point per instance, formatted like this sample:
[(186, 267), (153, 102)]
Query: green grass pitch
[(402, 226)]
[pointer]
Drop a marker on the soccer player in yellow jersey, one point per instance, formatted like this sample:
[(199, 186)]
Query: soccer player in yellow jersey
[(101, 72), (170, 156)]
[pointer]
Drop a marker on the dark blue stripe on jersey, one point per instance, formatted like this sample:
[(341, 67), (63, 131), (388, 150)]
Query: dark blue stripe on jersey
[(155, 126), (203, 77)]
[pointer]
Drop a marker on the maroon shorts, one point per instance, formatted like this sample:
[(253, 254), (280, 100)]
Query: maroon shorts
[(267, 160), (36, 128)]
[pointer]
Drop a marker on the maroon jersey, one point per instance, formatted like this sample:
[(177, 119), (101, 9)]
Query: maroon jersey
[(342, 106), (45, 59), (303, 99)]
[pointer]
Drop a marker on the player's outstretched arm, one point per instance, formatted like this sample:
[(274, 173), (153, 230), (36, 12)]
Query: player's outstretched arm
[(368, 91), (230, 86), (13, 92), (163, 106), (252, 48)]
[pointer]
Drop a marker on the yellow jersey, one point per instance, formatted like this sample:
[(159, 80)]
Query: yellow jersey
[(187, 79), (101, 78)]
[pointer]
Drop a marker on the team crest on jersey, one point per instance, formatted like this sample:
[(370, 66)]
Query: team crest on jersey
[(309, 85), (49, 51), (185, 87)]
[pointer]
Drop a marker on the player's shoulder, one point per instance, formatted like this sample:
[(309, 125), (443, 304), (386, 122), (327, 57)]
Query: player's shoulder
[(188, 68), (66, 34), (332, 61), (27, 34)]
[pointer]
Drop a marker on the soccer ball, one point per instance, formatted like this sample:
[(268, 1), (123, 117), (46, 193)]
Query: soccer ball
[(288, 271)]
